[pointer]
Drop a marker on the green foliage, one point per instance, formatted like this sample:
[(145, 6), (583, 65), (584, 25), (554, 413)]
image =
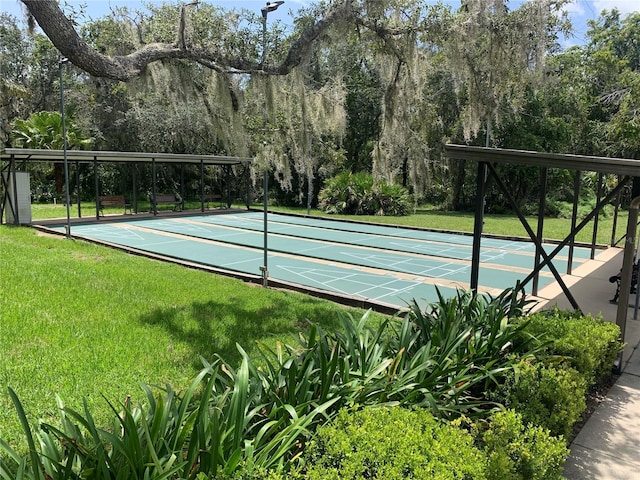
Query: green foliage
[(474, 334), (357, 194), (520, 452), (81, 310), (389, 443), (548, 395), (574, 353), (392, 444), (588, 345), (44, 130), (223, 430), (259, 415)]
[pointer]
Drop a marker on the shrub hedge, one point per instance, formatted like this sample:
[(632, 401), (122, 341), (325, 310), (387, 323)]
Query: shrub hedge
[(392, 444), (546, 394), (588, 344), (520, 451)]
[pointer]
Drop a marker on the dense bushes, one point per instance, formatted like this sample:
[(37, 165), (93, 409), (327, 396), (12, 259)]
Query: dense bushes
[(589, 345), (518, 451), (575, 353), (392, 444), (382, 443), (547, 394), (459, 358), (357, 194)]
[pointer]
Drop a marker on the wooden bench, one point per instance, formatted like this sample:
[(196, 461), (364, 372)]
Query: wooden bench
[(211, 198), (113, 201), (166, 199)]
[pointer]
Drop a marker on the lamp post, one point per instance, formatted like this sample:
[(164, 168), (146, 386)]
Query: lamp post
[(64, 150), (269, 7)]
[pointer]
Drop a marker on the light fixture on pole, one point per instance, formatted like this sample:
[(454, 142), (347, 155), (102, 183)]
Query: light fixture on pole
[(64, 150), (269, 7)]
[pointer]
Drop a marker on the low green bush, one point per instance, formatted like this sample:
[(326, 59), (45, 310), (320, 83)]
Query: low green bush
[(518, 452), (392, 444), (396, 443), (358, 194), (546, 394), (590, 345)]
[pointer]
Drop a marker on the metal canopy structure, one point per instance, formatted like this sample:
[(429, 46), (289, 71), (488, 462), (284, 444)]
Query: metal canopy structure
[(487, 158), (620, 166), (11, 157), (90, 156)]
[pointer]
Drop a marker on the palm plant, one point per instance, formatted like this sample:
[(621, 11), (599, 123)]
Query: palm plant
[(43, 130)]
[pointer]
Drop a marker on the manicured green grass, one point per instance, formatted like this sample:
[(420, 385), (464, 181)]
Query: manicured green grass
[(428, 217), (44, 211), (83, 321)]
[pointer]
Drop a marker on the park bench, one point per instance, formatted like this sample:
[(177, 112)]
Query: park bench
[(166, 199), (617, 279), (211, 198), (113, 201)]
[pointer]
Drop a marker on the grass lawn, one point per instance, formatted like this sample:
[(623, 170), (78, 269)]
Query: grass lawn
[(82, 321)]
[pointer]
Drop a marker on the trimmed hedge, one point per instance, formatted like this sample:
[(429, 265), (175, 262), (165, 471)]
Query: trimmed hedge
[(548, 395), (590, 345), (518, 452), (392, 444), (574, 353), (396, 443)]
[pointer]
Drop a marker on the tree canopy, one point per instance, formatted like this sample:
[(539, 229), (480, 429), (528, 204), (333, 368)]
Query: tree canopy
[(349, 85)]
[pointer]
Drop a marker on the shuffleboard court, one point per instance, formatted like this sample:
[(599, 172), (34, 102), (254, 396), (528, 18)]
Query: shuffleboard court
[(372, 263), (513, 253)]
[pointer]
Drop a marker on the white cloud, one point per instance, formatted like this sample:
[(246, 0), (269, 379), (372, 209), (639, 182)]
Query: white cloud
[(576, 7), (623, 6)]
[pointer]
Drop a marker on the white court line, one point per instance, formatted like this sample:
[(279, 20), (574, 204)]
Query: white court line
[(164, 243), (399, 264), (312, 274), (120, 232), (251, 260), (331, 278), (390, 291)]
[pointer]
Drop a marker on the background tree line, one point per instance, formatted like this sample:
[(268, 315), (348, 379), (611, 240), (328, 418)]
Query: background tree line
[(378, 88)]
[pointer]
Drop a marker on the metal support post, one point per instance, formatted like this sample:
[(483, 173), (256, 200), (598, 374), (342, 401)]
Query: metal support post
[(64, 149), (625, 276)]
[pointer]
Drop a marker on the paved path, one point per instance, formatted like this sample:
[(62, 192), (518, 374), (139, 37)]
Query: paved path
[(608, 446)]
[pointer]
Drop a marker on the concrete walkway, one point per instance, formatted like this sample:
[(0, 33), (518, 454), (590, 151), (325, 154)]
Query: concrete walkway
[(608, 446)]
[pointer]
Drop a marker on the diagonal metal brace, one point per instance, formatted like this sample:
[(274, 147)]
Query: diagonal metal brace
[(535, 240)]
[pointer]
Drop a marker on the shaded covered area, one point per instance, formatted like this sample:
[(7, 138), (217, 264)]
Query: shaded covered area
[(13, 160), (488, 159)]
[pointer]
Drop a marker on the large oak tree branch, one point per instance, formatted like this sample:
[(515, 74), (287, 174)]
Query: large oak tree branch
[(62, 33)]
